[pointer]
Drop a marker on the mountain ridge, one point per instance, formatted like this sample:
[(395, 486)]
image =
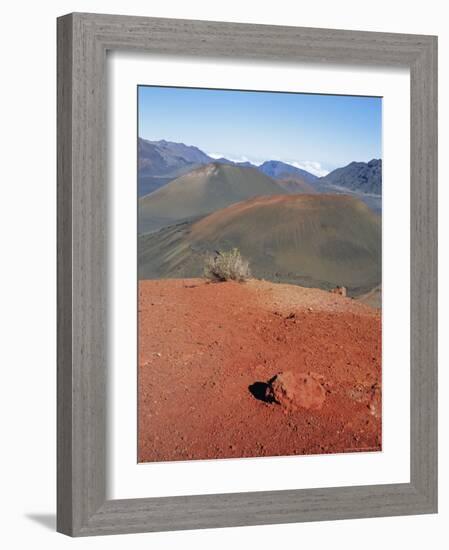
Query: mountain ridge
[(161, 161), (365, 177), (280, 170)]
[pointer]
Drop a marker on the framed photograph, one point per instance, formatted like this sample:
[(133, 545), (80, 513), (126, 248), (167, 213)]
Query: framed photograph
[(247, 274)]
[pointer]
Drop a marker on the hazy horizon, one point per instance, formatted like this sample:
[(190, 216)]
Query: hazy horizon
[(258, 163)]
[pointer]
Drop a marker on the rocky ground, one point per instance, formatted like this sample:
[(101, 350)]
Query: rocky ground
[(255, 369)]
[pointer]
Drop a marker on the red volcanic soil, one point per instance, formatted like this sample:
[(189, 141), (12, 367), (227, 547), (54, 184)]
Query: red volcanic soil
[(207, 351)]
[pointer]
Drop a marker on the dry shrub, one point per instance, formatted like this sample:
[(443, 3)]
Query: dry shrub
[(227, 266)]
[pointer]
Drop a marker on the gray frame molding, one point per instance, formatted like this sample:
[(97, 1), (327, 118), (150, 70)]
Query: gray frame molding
[(83, 40)]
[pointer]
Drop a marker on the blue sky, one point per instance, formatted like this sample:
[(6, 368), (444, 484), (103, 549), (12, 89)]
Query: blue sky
[(312, 131)]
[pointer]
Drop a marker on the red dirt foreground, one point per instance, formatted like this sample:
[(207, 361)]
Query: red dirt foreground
[(231, 370)]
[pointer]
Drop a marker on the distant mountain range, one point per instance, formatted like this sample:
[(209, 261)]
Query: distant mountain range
[(362, 177), (281, 170), (166, 158), (160, 162)]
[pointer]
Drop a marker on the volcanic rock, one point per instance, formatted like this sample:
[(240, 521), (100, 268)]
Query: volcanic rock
[(294, 390)]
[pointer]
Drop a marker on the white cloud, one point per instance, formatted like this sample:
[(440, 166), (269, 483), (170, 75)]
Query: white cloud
[(241, 158), (215, 155), (311, 166), (233, 158)]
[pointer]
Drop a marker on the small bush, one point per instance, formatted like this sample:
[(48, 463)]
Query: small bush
[(227, 266)]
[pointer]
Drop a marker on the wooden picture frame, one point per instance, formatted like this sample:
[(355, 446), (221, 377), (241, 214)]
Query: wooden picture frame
[(83, 40)]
